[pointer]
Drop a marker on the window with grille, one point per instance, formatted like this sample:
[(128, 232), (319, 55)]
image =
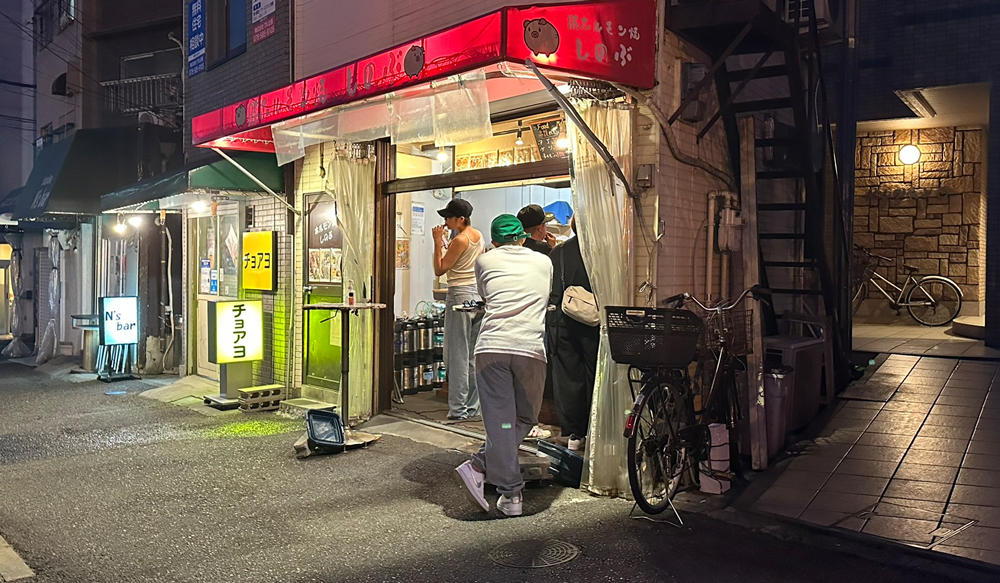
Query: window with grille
[(51, 18)]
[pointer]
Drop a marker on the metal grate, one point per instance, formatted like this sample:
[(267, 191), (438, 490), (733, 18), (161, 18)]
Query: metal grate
[(534, 554), (735, 327)]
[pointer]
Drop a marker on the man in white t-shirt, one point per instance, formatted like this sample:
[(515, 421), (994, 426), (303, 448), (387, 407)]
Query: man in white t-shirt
[(514, 282)]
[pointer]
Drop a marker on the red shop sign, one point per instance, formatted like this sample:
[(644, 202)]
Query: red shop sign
[(614, 40), (611, 41)]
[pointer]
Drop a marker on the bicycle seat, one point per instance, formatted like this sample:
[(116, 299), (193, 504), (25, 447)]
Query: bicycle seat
[(910, 268)]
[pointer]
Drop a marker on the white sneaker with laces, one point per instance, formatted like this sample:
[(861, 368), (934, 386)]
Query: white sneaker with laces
[(576, 443), (539, 432), (473, 481), (510, 506)]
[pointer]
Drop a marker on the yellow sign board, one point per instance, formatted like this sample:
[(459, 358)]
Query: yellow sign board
[(235, 331), (260, 269)]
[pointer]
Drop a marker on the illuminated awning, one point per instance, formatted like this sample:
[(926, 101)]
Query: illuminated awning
[(612, 40)]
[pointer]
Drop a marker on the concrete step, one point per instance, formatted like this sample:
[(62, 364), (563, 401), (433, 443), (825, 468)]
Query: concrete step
[(970, 327), (321, 394), (297, 408)]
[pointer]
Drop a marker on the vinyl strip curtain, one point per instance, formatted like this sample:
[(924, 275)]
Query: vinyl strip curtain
[(604, 232), (351, 181)]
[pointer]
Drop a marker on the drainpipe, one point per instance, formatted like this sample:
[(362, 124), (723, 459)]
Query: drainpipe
[(710, 246)]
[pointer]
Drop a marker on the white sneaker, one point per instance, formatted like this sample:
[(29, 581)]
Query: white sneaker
[(473, 482), (538, 432), (576, 443), (510, 506)]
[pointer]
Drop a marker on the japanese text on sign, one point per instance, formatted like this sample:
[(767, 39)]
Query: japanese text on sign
[(236, 331), (259, 269), (196, 37)]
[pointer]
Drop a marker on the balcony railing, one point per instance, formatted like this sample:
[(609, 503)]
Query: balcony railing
[(157, 93)]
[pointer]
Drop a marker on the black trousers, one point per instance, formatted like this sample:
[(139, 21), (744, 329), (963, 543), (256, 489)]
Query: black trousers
[(572, 349)]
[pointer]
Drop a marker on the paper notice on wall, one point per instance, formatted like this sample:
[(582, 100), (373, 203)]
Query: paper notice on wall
[(233, 245), (417, 218), (402, 253), (205, 283)]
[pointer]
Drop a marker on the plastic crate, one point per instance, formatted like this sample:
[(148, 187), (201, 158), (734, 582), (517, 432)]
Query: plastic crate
[(653, 336), (326, 430)]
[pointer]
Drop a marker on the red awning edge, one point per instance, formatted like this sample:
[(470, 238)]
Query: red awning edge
[(610, 40)]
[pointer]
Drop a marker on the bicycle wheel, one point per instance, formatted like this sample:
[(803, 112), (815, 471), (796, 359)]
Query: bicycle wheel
[(934, 301), (860, 295), (656, 459)]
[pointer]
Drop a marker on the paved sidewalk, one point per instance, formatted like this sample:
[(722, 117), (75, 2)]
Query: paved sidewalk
[(922, 468), (910, 338)]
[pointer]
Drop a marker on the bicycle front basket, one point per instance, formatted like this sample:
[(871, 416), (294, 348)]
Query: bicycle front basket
[(653, 336)]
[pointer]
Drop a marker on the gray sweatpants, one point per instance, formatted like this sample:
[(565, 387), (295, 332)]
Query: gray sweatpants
[(510, 394)]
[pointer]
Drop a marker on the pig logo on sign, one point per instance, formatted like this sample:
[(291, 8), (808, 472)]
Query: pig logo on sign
[(413, 62), (241, 116), (541, 37)]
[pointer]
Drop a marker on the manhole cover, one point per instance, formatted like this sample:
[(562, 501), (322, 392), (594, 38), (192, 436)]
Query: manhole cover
[(534, 554)]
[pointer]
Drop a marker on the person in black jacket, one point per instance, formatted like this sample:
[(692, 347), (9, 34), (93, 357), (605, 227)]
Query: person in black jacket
[(572, 345)]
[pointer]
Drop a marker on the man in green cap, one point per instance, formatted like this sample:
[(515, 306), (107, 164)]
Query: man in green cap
[(514, 282)]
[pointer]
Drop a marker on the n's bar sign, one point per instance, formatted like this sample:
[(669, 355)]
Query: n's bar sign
[(260, 251), (119, 321), (235, 331)]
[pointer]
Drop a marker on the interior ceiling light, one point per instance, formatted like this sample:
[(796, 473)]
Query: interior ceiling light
[(520, 129), (135, 220), (914, 99), (442, 156), (199, 206), (120, 225), (909, 154), (562, 143)]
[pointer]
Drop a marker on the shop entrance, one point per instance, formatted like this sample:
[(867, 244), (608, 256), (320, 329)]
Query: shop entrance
[(324, 283), (6, 296), (421, 374), (215, 269)]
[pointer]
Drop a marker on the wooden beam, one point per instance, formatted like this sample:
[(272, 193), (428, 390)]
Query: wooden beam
[(531, 171), (751, 273), (385, 276)]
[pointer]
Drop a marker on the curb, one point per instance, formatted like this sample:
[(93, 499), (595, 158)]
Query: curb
[(12, 568)]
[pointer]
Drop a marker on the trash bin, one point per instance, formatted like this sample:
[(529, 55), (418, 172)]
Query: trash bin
[(777, 388), (90, 325), (805, 356)]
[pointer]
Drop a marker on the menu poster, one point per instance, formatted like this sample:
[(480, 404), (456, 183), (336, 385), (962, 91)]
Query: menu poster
[(546, 135), (324, 266), (402, 253)]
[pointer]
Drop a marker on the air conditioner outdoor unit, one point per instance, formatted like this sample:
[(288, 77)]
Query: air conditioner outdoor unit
[(828, 13)]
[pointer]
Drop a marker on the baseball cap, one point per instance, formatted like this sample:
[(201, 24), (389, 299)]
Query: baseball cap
[(507, 229), (531, 216), (457, 207)]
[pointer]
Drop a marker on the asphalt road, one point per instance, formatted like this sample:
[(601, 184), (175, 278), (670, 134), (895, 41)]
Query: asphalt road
[(103, 488)]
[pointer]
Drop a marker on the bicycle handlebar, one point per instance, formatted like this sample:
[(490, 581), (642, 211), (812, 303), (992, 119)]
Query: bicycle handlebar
[(758, 292), (870, 254)]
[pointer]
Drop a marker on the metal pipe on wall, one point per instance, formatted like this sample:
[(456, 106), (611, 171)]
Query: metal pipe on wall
[(710, 246)]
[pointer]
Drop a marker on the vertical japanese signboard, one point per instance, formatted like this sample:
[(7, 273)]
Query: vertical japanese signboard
[(262, 18), (260, 269), (119, 321), (196, 37), (235, 331)]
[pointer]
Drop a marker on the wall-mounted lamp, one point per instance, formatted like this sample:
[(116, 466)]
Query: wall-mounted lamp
[(909, 154), (135, 221), (199, 206), (562, 143), (120, 227), (442, 156), (520, 140)]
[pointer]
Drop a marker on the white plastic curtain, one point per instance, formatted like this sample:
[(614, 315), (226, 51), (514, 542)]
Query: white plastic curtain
[(351, 181), (16, 348), (604, 240), (455, 110)]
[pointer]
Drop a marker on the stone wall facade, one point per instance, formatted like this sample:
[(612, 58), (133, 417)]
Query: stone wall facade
[(931, 214)]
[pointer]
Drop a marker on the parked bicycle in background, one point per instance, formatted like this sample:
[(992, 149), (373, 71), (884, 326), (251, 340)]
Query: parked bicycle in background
[(933, 300)]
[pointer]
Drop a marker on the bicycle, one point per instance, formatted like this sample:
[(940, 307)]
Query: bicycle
[(933, 300), (667, 430)]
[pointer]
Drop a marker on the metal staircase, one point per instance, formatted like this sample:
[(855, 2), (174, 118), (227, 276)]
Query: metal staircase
[(749, 43)]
